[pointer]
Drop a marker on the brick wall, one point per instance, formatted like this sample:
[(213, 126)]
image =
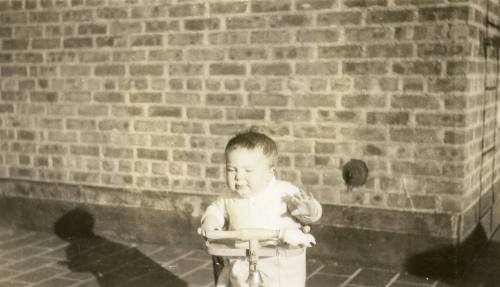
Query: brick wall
[(143, 95)]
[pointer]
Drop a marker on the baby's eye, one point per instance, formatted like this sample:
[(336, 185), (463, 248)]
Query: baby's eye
[(230, 169), (249, 170)]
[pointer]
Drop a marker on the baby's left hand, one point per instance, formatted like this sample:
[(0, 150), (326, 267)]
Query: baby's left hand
[(303, 206)]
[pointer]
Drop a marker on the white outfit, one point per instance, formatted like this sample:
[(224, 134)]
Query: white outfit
[(267, 210)]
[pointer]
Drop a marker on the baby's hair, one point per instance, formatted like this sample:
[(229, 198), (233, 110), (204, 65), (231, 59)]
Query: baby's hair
[(252, 140)]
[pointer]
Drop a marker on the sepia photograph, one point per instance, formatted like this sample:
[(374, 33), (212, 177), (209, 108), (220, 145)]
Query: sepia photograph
[(249, 143)]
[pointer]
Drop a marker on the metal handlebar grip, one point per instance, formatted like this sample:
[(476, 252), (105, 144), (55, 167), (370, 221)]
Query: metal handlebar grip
[(243, 234)]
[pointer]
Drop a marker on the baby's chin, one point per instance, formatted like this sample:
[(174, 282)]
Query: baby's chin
[(243, 192)]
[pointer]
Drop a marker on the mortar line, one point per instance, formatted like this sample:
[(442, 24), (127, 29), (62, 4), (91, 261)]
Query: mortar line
[(394, 279), (351, 277), (315, 271)]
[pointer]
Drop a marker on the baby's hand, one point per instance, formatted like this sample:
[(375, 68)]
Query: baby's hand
[(303, 206), (296, 237)]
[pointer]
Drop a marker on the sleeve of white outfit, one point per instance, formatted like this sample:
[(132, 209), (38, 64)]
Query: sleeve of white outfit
[(218, 210), (316, 210)]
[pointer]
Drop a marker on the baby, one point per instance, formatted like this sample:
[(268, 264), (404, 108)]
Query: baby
[(256, 199)]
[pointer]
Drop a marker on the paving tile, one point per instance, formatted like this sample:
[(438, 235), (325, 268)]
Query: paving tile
[(372, 277), (56, 282), (168, 254), (12, 284), (29, 239), (79, 276), (38, 275), (201, 277), (319, 280), (410, 278), (30, 263), (7, 273), (93, 283), (336, 269), (184, 265), (23, 253), (14, 234), (199, 254)]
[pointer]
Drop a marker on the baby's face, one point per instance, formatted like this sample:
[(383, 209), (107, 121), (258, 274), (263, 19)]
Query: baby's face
[(247, 171)]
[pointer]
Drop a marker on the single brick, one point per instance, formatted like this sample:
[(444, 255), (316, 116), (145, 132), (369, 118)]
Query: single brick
[(225, 38), (165, 55), (291, 115), (417, 67), (189, 156), (436, 186), (366, 67), (46, 44), (392, 16), (244, 53), (115, 152), (270, 6), (283, 21), (84, 150), (226, 129), (109, 70), (161, 111), (205, 113), (77, 43), (366, 3), (44, 97), (245, 114), (201, 24), (93, 56), (279, 36), (268, 99), (146, 70), (443, 13), (187, 10), (162, 26), (390, 51), (363, 134), (274, 69), (183, 99), (109, 97), (317, 35), (15, 44), (417, 135), (111, 13), (75, 70), (153, 154), (13, 18), (22, 32), (317, 68), (224, 99), (368, 34), (440, 153), (442, 120), (292, 53), (246, 22), (342, 51), (416, 168), (314, 100), (456, 84), (86, 15), (185, 69), (185, 39), (227, 69), (145, 97), (146, 40), (114, 125), (80, 124), (227, 8), (444, 50), (126, 111), (124, 28), (168, 141), (387, 118), (412, 102), (29, 57), (91, 29), (364, 101), (44, 17), (205, 55), (339, 18)]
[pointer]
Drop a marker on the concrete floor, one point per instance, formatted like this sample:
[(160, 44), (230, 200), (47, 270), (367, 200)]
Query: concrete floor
[(39, 259)]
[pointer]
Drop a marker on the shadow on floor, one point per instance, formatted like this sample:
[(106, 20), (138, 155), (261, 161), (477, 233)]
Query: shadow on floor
[(111, 263), (473, 263)]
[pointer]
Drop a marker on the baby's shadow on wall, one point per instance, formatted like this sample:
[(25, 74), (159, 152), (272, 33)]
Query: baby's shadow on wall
[(111, 263)]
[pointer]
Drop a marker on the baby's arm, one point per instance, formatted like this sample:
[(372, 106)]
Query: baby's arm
[(214, 216), (304, 207)]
